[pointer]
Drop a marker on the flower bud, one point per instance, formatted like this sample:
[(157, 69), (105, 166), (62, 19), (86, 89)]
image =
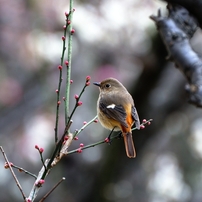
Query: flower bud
[(144, 121), (88, 78), (6, 165), (36, 147), (76, 96), (79, 150), (41, 181), (41, 150), (66, 62), (59, 67), (81, 145), (72, 31), (79, 103), (107, 140)]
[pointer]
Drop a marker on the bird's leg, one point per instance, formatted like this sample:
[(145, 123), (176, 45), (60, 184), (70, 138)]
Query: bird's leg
[(109, 136), (120, 135)]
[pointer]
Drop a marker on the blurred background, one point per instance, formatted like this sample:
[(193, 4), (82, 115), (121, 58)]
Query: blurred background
[(112, 38)]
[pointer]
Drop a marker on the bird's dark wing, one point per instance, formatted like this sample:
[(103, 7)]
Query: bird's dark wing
[(116, 112), (135, 117)]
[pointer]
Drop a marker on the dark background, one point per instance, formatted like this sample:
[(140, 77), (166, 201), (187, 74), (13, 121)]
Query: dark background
[(112, 39)]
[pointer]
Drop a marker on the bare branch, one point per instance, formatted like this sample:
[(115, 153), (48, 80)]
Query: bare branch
[(23, 170), (106, 140), (193, 6), (36, 187), (43, 199), (12, 172), (175, 31)]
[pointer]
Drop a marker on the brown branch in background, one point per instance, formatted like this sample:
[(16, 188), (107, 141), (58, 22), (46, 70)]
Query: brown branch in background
[(46, 196), (175, 31), (12, 172)]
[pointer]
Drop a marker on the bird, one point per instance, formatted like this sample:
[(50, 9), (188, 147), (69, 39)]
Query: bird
[(116, 111)]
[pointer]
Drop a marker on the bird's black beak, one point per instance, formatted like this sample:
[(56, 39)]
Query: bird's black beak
[(96, 83)]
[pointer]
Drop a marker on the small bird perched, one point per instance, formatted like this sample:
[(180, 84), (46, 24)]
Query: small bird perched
[(116, 111)]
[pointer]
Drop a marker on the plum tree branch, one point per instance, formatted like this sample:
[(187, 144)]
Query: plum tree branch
[(176, 31)]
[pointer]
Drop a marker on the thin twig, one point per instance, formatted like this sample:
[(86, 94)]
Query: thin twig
[(23, 170), (44, 197), (60, 79), (83, 127), (88, 146), (42, 160), (77, 100), (12, 172)]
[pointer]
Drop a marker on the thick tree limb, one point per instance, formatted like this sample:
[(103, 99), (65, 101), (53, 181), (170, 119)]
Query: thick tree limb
[(193, 6), (175, 30)]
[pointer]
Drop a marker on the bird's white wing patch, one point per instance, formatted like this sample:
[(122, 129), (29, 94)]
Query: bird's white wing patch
[(112, 106)]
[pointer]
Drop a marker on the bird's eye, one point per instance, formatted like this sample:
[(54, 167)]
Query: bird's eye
[(107, 85)]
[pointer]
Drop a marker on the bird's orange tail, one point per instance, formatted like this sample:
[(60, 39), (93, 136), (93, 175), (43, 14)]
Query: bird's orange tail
[(129, 145)]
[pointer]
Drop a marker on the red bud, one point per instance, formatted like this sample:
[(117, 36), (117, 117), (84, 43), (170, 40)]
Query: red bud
[(41, 150), (79, 150), (72, 31), (76, 96), (59, 67), (81, 145), (79, 103)]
